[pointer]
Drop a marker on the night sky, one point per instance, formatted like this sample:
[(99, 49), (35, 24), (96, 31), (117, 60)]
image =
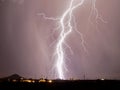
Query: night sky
[(27, 40)]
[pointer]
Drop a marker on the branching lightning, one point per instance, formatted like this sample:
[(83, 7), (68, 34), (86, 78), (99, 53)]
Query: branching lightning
[(64, 33), (65, 22)]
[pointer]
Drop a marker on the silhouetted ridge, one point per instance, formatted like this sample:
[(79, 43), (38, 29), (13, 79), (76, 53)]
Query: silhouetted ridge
[(14, 76)]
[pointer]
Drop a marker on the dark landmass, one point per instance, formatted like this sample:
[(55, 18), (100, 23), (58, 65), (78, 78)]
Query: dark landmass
[(12, 77), (17, 82)]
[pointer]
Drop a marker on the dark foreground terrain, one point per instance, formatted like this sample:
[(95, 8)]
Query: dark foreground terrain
[(16, 82), (62, 85)]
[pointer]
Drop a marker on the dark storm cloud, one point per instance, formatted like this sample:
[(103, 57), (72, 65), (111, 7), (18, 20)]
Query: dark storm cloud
[(25, 39)]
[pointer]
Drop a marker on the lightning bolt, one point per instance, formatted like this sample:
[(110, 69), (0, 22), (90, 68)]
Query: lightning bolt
[(65, 27), (64, 33)]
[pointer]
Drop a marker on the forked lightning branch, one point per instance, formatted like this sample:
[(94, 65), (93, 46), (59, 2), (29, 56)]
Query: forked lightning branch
[(65, 22)]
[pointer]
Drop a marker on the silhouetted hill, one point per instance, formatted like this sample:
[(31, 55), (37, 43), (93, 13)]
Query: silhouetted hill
[(11, 77), (14, 76)]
